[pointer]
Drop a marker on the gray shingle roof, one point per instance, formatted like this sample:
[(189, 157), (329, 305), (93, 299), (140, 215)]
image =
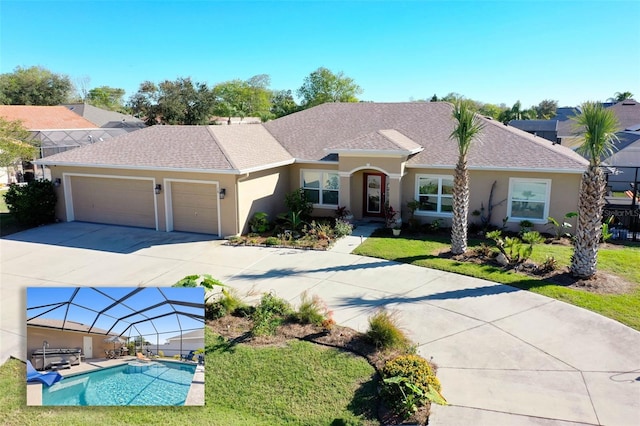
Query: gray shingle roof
[(68, 325), (429, 124), (171, 147), (535, 125), (105, 118), (315, 134)]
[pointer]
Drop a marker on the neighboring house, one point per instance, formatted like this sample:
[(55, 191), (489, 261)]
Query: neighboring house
[(236, 120), (182, 344), (57, 129), (105, 118), (68, 334), (625, 161), (212, 179), (547, 129)]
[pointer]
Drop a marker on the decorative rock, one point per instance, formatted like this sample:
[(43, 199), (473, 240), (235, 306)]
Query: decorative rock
[(502, 259)]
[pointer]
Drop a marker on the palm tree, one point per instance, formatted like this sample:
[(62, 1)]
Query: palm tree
[(621, 96), (599, 125), (469, 126)]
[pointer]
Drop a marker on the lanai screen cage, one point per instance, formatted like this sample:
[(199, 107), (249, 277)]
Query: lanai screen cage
[(141, 314)]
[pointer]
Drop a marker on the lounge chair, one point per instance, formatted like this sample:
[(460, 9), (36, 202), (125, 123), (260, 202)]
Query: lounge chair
[(141, 357), (44, 378)]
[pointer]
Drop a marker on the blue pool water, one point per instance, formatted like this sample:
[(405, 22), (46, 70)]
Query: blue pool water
[(136, 383)]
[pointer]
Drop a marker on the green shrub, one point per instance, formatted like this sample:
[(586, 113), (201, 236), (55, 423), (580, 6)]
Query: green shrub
[(384, 332), (298, 203), (269, 314), (272, 241), (236, 240), (32, 204), (204, 280), (409, 381), (342, 229), (259, 222), (311, 311)]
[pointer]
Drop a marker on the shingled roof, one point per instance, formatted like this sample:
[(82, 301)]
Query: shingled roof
[(420, 130), (308, 134), (219, 149), (45, 117)]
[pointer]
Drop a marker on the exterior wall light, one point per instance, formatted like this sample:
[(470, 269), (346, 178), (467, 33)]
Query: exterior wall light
[(222, 193), (57, 182), (158, 188)]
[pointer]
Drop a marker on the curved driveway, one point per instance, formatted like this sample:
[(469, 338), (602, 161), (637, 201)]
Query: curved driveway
[(505, 356)]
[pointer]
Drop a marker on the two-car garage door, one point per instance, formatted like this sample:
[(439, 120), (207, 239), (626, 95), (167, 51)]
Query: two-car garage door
[(190, 206)]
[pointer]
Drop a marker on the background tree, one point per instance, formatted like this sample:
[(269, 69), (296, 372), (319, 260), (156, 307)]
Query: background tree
[(16, 143), (282, 103), (621, 96), (599, 125), (173, 102), (107, 98), (517, 113), (546, 109), (323, 86), (34, 86), (491, 110), (238, 98), (468, 127)]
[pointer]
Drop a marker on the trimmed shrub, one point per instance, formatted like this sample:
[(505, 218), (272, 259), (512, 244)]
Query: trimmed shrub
[(384, 332), (342, 228), (271, 241), (259, 222), (409, 381), (32, 204)]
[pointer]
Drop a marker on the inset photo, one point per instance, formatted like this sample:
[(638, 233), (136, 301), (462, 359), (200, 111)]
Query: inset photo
[(89, 346)]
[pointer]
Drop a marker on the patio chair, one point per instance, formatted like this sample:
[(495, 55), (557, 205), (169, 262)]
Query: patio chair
[(44, 378), (141, 357), (188, 357)]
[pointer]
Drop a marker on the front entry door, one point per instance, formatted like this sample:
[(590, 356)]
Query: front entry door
[(374, 194)]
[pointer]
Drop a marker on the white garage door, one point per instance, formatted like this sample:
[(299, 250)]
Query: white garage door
[(194, 207), (128, 202)]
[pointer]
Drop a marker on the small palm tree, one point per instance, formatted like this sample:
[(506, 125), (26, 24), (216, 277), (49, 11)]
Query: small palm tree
[(469, 126), (599, 125)]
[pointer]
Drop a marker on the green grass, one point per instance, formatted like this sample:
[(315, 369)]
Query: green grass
[(619, 260), (299, 384)]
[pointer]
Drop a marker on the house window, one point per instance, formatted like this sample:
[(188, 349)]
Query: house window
[(529, 199), (320, 187), (435, 193)]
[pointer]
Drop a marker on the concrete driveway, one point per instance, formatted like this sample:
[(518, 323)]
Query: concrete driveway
[(505, 356)]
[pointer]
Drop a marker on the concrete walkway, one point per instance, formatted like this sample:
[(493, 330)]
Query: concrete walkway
[(505, 356)]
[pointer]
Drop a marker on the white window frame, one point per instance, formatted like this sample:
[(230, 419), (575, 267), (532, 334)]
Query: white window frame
[(547, 200), (323, 179), (439, 211)]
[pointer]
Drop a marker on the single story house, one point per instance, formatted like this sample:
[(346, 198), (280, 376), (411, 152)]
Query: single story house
[(181, 344), (57, 334), (212, 179)]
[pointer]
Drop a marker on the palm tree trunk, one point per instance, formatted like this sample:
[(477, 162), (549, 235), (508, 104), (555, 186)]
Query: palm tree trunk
[(589, 228), (460, 208)]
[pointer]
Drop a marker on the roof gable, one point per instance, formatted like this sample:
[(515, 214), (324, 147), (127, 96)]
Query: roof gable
[(45, 117)]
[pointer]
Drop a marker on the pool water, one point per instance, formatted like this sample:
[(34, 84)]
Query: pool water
[(136, 383)]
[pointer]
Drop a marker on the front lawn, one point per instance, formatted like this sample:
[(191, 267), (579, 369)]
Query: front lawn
[(298, 384), (617, 260)]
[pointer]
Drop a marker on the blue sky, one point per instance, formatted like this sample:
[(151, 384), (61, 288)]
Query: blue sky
[(87, 301), (500, 51)]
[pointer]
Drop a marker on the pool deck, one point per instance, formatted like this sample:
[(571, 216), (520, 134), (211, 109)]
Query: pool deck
[(194, 397)]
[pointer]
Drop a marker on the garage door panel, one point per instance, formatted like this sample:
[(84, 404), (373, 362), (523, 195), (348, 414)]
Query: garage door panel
[(128, 202), (194, 207)]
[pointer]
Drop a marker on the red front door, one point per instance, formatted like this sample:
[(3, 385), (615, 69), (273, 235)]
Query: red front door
[(374, 194)]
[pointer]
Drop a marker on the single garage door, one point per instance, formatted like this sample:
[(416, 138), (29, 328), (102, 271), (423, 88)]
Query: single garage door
[(194, 207), (128, 202)]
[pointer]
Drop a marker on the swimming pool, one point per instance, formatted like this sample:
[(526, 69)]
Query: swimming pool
[(136, 383)]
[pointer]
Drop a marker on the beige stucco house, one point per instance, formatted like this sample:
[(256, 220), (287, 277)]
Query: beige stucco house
[(212, 179)]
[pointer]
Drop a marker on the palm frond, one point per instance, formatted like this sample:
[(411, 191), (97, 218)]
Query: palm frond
[(469, 125), (599, 126)]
